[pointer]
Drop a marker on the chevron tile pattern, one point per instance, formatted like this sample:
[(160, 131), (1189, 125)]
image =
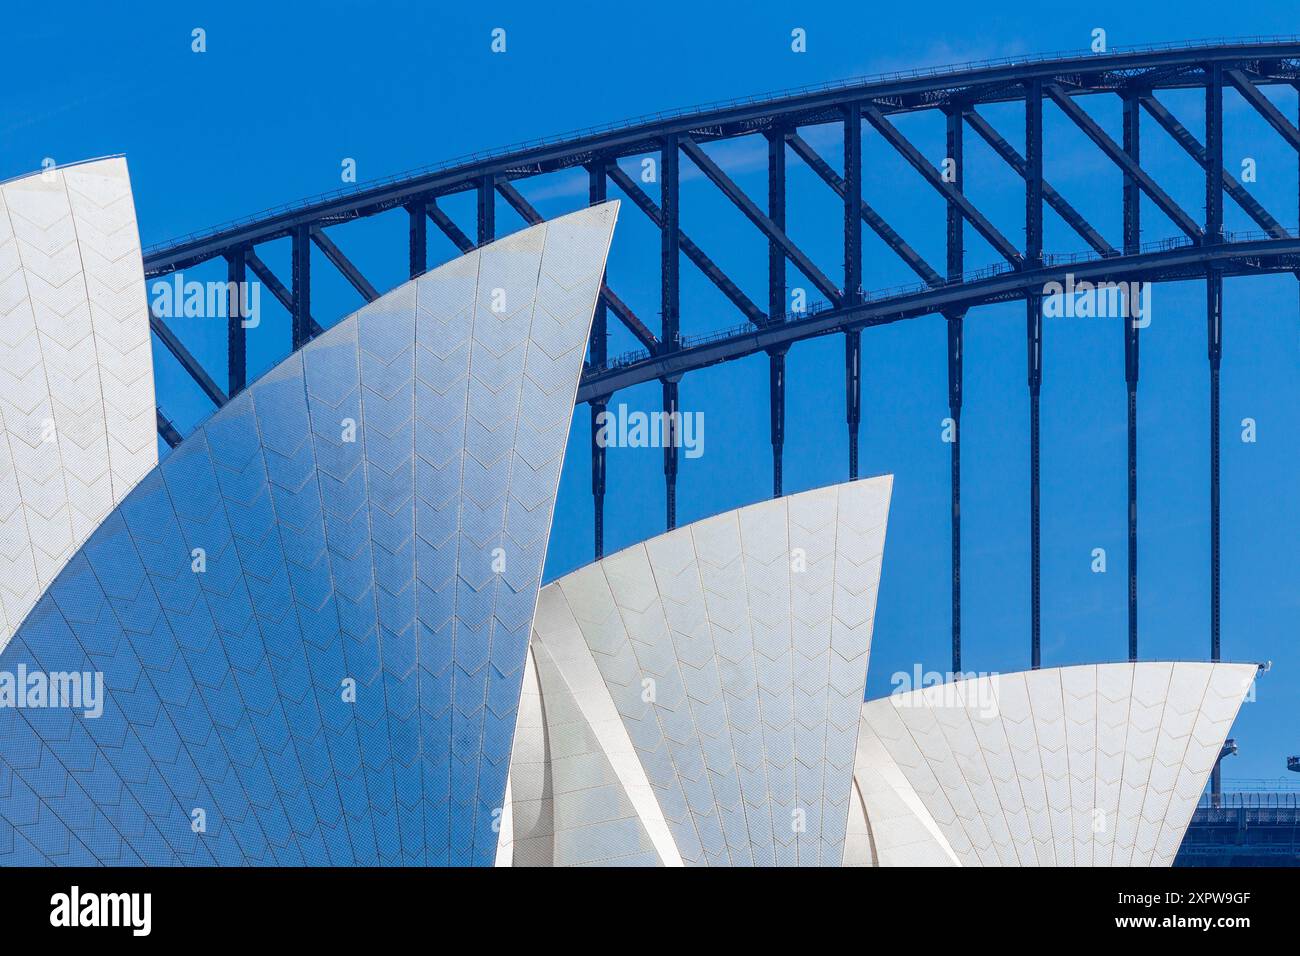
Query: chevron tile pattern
[(888, 823), (312, 617), (570, 800), (731, 656), (1096, 765), (76, 370)]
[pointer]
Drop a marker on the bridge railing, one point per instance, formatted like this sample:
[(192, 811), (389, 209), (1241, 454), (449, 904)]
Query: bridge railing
[(1278, 799)]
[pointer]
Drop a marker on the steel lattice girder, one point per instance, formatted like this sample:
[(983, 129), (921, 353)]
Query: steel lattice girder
[(1181, 263), (1155, 69), (958, 91)]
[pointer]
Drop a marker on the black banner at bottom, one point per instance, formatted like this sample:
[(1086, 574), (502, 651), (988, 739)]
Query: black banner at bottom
[(207, 906)]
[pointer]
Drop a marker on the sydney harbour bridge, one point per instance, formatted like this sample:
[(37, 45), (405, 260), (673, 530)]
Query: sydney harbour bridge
[(1193, 244)]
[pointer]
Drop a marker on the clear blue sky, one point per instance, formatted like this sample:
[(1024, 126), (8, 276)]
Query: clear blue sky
[(285, 92)]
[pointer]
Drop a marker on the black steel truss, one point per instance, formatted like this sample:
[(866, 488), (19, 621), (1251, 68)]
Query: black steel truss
[(1202, 251)]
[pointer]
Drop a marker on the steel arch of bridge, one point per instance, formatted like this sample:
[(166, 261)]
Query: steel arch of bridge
[(1201, 249)]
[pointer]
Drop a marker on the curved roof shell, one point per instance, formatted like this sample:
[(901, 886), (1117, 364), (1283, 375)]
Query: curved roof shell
[(76, 370), (699, 693), (312, 618), (1092, 765)]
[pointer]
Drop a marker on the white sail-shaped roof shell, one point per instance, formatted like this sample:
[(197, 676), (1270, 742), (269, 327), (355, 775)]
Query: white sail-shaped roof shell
[(312, 617), (76, 372), (698, 695), (1093, 765)]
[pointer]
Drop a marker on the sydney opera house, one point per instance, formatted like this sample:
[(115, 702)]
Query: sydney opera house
[(316, 632)]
